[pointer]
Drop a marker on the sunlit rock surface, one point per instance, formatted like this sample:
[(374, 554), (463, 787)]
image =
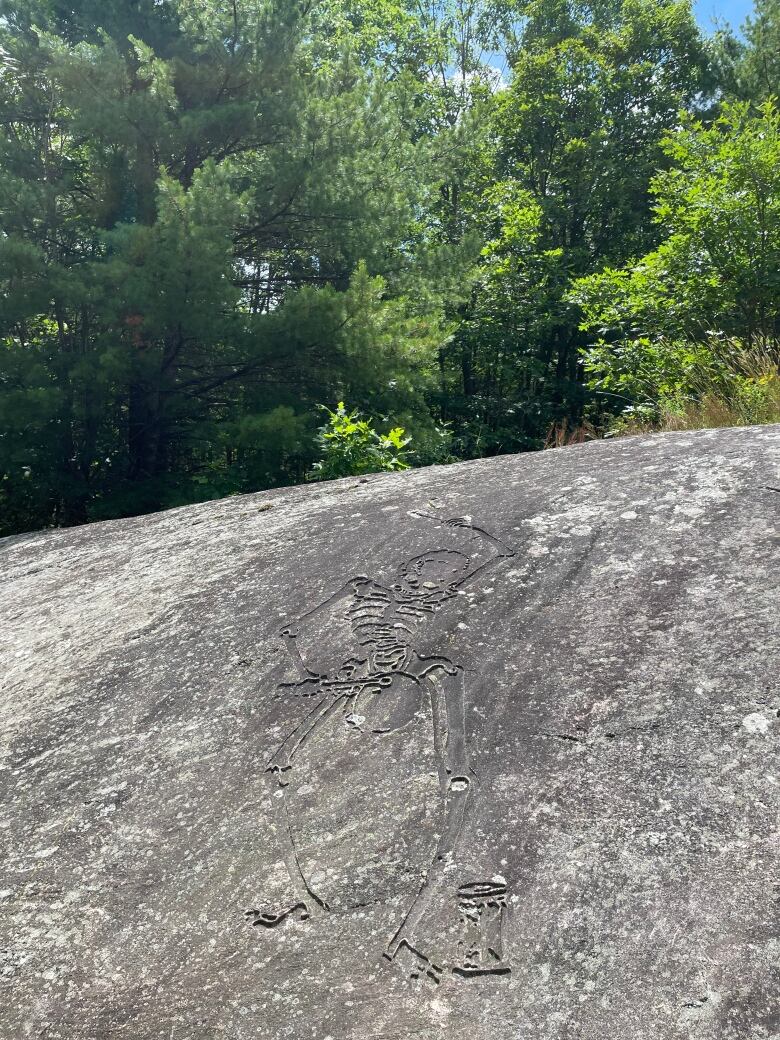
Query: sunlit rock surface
[(316, 763)]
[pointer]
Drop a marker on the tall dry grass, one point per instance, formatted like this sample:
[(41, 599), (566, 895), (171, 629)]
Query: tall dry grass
[(740, 388)]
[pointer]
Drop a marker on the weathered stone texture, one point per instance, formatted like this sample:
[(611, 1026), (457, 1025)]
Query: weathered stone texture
[(544, 783)]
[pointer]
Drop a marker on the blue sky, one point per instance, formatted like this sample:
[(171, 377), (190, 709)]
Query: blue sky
[(709, 12)]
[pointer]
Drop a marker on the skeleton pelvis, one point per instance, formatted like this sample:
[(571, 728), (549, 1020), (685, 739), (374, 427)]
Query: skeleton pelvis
[(389, 708)]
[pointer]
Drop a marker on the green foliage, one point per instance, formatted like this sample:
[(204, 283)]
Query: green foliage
[(202, 229), (718, 265), (214, 216), (714, 278), (560, 187), (722, 382), (350, 446)]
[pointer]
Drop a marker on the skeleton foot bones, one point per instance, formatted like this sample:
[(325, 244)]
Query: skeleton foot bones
[(482, 906), (270, 919), (480, 949)]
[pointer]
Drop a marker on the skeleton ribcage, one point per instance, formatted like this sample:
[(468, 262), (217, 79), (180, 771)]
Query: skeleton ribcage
[(386, 622)]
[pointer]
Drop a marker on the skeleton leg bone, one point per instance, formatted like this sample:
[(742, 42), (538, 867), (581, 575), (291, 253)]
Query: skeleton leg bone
[(305, 902), (448, 687)]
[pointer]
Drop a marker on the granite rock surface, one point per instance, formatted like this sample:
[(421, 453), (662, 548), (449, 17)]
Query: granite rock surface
[(479, 752)]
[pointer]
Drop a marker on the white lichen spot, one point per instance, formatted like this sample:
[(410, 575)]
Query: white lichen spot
[(692, 512), (656, 838), (45, 853), (756, 723), (629, 515), (537, 550)]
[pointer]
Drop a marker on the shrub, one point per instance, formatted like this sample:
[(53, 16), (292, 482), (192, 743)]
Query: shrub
[(350, 446), (720, 383)]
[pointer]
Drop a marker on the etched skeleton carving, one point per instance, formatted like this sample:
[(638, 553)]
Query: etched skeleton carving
[(385, 620)]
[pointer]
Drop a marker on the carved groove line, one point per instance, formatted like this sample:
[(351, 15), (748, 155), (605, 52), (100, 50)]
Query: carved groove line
[(384, 621)]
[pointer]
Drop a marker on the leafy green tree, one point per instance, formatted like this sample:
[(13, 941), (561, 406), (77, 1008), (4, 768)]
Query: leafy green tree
[(573, 144), (215, 215), (715, 275)]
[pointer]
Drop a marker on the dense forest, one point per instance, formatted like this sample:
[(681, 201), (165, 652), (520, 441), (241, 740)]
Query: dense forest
[(496, 224)]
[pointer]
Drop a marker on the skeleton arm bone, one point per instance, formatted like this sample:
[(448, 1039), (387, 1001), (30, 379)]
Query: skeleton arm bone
[(500, 549), (291, 631), (455, 707), (291, 647), (347, 589), (470, 575), (282, 758)]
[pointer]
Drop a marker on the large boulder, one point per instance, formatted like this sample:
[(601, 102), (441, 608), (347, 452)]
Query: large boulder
[(478, 752)]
